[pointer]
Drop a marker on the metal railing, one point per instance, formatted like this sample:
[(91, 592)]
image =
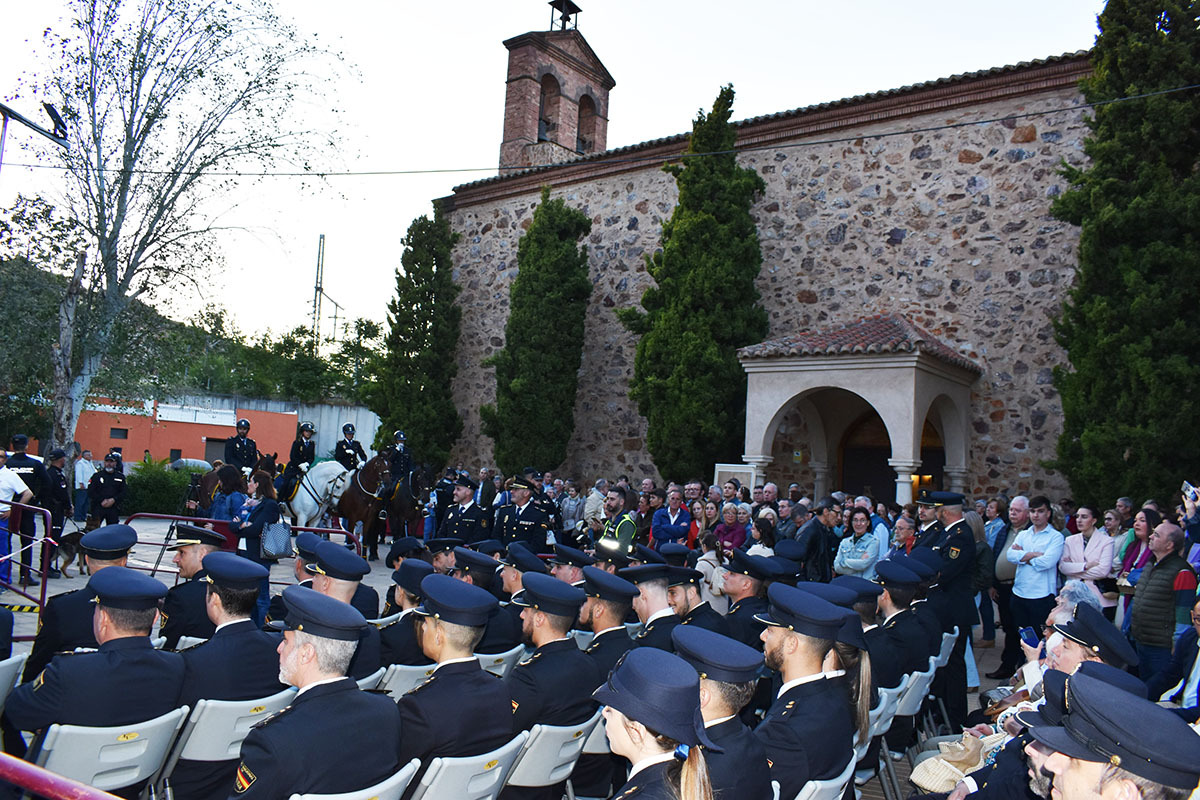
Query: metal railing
[(28, 543), (41, 782)]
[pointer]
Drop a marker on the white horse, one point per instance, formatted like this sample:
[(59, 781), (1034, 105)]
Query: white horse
[(320, 489)]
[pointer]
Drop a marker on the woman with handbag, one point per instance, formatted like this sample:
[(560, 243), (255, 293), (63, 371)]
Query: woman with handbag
[(258, 511), (1088, 556), (1134, 556)]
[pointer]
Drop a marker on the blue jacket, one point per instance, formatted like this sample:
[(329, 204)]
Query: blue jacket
[(662, 529)]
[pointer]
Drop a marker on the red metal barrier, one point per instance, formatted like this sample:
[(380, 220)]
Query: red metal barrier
[(14, 562), (44, 783)]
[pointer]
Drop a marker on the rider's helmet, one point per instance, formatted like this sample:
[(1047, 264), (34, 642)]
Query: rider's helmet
[(308, 426), (399, 436), (243, 424), (348, 429)]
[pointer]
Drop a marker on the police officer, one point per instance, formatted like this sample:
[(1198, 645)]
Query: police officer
[(744, 584), (651, 605), (349, 451), (567, 564), (239, 662), (956, 546), (398, 639), (124, 682), (464, 520), (461, 710), (522, 521), (905, 639), (515, 563), (240, 450), (338, 573), (185, 610), (929, 531), (400, 460), (304, 452), (500, 634), (728, 673), (106, 490), (67, 617), (543, 501), (289, 752), (619, 531), (33, 473), (58, 497), (609, 599), (683, 594)]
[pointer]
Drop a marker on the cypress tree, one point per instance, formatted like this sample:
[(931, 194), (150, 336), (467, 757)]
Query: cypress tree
[(537, 371), (414, 374), (687, 381), (1130, 325)]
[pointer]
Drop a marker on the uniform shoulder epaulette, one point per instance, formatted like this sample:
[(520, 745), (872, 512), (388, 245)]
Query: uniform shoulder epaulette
[(530, 660), (390, 624), (267, 720), (421, 685), (192, 646)]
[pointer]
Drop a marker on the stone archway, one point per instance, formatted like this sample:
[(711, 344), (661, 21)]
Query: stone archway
[(899, 371)]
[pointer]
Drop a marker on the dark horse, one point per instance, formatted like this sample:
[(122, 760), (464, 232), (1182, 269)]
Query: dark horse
[(363, 498), (406, 506), (209, 484)]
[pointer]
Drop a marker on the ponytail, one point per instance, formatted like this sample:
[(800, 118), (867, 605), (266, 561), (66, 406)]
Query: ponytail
[(694, 783)]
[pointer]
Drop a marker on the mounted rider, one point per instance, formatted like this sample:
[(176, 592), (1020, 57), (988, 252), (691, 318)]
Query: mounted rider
[(240, 450), (349, 451), (400, 464), (304, 452)]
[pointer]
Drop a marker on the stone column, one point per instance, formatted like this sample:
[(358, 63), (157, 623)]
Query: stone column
[(820, 471), (956, 479), (759, 462), (904, 473)]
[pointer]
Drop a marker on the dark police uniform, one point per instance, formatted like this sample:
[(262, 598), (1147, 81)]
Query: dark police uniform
[(289, 752), (461, 710), (468, 523), (607, 647), (953, 592), (241, 452), (742, 625), (35, 476), (106, 485), (349, 453), (124, 682), (657, 633), (184, 612), (58, 497), (398, 639), (527, 526), (650, 783), (707, 617), (66, 621), (304, 451), (808, 732)]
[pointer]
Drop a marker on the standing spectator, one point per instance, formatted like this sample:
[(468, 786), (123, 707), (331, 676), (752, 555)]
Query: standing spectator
[(670, 524), (730, 533), (1125, 509), (1179, 682), (1088, 556), (1133, 553), (904, 534), (84, 470), (859, 551), (256, 512), (1036, 552), (880, 528), (643, 518), (1112, 526), (1162, 601), (12, 490), (711, 565), (593, 509), (699, 525), (762, 533), (786, 529), (1002, 588), (573, 508), (230, 495), (817, 541), (105, 493)]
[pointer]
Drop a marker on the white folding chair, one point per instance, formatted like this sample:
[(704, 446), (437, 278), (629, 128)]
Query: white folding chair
[(633, 629), (550, 753), (501, 664), (215, 729), (372, 680), (881, 719), (10, 675), (188, 641), (110, 758), (400, 679), (943, 658), (383, 622), (582, 638), (470, 777), (596, 744), (158, 642), (390, 789), (831, 789)]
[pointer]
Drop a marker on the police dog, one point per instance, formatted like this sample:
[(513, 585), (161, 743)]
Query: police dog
[(69, 549)]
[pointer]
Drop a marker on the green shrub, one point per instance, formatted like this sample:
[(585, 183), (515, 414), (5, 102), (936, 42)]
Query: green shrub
[(155, 489)]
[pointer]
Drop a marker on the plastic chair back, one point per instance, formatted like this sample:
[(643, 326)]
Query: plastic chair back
[(582, 638), (400, 679), (186, 642), (500, 664), (372, 680), (10, 675), (390, 789), (831, 789), (948, 640), (470, 777), (383, 622), (158, 642), (550, 753), (633, 629), (597, 741), (110, 758), (915, 691)]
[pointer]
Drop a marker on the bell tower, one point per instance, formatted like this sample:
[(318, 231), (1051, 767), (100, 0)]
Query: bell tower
[(556, 102)]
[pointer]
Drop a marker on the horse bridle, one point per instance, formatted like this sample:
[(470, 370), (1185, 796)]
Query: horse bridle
[(378, 493)]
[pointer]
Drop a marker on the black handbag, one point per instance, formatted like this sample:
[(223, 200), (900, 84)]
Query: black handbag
[(276, 541)]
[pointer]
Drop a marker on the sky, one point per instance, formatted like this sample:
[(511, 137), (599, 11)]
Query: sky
[(423, 89)]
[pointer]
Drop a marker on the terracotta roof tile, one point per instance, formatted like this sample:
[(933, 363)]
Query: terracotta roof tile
[(885, 333)]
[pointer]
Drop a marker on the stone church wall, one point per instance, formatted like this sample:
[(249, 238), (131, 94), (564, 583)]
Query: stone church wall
[(949, 227)]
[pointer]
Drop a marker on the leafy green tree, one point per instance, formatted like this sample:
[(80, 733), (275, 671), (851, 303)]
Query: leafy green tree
[(410, 390), (1130, 325), (687, 381), (352, 360), (537, 371)]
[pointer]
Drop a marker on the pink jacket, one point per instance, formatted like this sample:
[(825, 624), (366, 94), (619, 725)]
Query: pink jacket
[(1076, 554)]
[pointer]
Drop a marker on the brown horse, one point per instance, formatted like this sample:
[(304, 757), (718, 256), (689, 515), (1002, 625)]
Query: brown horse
[(406, 506), (209, 483), (362, 500)]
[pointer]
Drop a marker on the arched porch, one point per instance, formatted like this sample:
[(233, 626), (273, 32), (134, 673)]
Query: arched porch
[(885, 372)]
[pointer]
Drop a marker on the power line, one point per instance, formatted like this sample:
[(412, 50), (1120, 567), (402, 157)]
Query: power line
[(634, 159)]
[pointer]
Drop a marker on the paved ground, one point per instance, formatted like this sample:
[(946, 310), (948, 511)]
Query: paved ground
[(150, 539)]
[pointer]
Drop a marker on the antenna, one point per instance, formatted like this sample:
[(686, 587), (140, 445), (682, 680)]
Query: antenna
[(319, 294)]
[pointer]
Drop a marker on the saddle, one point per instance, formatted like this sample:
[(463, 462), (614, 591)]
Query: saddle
[(289, 492)]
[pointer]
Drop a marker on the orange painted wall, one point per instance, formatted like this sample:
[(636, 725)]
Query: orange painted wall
[(272, 431)]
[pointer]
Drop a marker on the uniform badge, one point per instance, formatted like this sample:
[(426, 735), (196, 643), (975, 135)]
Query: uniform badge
[(244, 778), (515, 706), (39, 680), (954, 551)]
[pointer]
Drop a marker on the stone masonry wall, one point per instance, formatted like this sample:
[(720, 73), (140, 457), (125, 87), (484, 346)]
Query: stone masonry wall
[(950, 227)]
